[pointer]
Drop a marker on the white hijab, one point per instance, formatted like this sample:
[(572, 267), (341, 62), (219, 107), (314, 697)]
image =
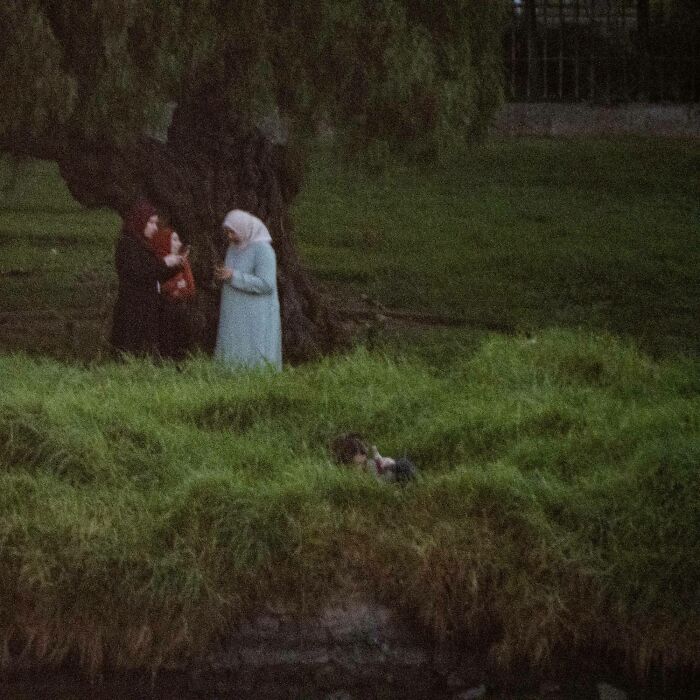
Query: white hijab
[(248, 227)]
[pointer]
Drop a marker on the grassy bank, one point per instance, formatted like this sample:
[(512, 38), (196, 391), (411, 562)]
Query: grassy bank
[(558, 507), (142, 508)]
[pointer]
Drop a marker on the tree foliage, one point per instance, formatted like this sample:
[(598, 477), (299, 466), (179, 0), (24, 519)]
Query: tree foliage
[(398, 70), (86, 83)]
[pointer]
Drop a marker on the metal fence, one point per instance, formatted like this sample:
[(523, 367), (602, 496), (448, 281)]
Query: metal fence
[(605, 51)]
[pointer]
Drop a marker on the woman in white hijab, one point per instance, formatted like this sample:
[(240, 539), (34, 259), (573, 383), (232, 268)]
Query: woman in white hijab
[(249, 332)]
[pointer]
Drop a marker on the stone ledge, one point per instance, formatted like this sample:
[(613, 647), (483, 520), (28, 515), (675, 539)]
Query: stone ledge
[(353, 650), (582, 119), (349, 645)]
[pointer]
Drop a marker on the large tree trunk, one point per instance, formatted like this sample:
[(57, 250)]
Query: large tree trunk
[(194, 179)]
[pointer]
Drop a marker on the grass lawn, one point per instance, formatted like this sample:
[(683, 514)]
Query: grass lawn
[(515, 235), (522, 234), (558, 506), (559, 495)]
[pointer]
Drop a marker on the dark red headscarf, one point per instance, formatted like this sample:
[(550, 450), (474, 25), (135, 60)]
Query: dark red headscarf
[(181, 285), (137, 218), (161, 242)]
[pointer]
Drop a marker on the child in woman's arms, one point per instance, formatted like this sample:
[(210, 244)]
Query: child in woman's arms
[(350, 449)]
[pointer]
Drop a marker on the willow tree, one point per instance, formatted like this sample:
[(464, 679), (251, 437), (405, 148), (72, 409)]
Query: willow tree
[(86, 84)]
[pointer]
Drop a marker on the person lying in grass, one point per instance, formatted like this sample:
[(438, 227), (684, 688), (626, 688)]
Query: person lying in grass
[(350, 449)]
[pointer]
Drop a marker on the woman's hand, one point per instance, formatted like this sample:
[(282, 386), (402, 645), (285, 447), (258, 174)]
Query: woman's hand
[(223, 274), (173, 260)]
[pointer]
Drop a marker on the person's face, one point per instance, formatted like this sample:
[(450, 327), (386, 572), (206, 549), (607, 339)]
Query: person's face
[(175, 243), (359, 459), (233, 236), (151, 227)]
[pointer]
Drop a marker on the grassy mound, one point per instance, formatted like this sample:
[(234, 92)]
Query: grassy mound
[(144, 509)]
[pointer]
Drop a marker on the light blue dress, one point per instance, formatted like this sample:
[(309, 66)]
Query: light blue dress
[(249, 332)]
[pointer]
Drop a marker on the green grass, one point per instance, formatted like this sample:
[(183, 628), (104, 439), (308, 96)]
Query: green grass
[(523, 235), (514, 235), (558, 505), (56, 267), (143, 509)]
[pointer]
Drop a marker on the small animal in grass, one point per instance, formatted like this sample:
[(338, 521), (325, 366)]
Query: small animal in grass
[(350, 449)]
